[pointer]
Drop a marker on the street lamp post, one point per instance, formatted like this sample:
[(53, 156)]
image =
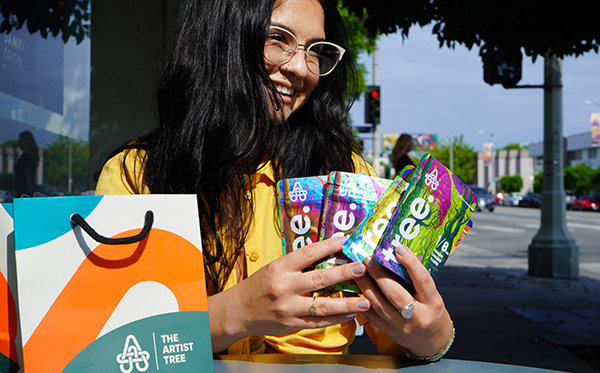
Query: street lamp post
[(553, 251)]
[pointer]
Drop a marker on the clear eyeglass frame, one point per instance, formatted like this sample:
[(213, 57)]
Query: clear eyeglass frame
[(310, 51)]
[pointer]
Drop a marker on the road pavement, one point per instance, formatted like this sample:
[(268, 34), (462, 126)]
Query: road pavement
[(502, 315)]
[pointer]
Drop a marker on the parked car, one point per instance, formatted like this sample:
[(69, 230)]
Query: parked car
[(531, 200), (570, 196), (586, 203), (5, 197), (512, 199), (484, 199)]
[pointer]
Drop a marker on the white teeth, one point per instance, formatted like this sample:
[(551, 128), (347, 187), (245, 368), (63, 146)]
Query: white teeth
[(284, 90)]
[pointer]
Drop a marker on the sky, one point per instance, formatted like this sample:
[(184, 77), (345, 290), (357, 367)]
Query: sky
[(428, 89)]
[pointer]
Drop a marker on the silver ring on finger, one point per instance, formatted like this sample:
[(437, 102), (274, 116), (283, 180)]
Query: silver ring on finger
[(408, 310)]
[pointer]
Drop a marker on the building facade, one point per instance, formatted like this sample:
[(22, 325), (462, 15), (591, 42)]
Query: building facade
[(578, 149), (505, 162)]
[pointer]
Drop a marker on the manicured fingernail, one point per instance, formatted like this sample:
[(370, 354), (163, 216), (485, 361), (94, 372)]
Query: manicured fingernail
[(401, 250), (342, 239), (351, 315), (363, 305), (368, 261), (358, 269)]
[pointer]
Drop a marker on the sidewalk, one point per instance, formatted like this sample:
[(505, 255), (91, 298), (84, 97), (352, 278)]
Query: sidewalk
[(504, 316)]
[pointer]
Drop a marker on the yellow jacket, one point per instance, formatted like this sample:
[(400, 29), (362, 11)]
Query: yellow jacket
[(263, 245)]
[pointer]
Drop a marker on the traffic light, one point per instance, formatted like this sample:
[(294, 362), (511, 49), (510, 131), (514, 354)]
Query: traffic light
[(503, 70), (373, 104)]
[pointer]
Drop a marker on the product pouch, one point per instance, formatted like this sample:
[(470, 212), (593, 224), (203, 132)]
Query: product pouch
[(300, 201), (349, 199), (432, 216), (363, 241)]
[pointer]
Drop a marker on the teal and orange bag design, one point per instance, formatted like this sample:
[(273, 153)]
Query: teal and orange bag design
[(111, 283), (10, 346)]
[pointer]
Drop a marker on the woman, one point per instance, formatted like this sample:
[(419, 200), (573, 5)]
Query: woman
[(251, 93), (399, 157), (26, 165)]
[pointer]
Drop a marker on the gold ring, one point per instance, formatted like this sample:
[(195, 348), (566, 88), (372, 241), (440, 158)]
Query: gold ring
[(313, 308)]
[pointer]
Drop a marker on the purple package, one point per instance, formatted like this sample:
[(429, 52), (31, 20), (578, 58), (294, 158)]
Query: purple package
[(300, 201), (349, 199), (434, 214), (364, 239)]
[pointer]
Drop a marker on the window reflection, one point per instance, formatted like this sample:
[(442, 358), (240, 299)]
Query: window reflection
[(45, 92)]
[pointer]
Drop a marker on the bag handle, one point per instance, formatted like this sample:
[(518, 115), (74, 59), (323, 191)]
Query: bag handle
[(148, 221)]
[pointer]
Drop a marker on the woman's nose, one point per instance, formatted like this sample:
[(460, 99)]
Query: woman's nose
[(297, 65)]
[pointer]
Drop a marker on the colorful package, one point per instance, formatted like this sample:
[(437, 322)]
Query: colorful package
[(365, 238), (300, 201), (431, 218), (349, 199)]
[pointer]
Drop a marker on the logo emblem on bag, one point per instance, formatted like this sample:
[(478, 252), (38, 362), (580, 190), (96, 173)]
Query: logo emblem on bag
[(298, 193), (133, 354)]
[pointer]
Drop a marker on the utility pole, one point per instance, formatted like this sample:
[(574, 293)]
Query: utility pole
[(553, 251), (376, 150)]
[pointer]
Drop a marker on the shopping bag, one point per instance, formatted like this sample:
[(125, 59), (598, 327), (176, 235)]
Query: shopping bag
[(111, 284), (10, 351)]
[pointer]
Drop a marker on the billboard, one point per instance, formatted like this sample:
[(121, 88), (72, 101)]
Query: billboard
[(595, 129)]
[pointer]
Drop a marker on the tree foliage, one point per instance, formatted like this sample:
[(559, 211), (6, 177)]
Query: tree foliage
[(359, 39), (49, 17), (534, 27), (511, 184), (464, 157), (578, 178), (538, 182), (56, 163)]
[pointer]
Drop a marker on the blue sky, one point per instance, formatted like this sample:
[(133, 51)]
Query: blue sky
[(425, 88)]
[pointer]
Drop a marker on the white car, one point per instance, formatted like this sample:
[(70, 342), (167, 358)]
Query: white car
[(512, 199)]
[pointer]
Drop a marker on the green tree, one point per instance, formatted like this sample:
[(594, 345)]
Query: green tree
[(496, 27), (359, 39), (538, 182), (514, 146), (578, 179), (56, 163), (464, 157), (596, 180), (511, 184)]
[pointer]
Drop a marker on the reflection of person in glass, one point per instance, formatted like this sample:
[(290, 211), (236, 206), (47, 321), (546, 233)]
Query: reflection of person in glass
[(26, 165)]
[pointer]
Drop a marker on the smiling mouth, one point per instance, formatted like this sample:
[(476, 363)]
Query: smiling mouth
[(286, 91)]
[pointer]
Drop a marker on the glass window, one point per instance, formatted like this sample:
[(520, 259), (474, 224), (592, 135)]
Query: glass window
[(45, 99)]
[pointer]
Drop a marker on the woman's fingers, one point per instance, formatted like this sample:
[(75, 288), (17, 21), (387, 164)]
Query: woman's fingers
[(321, 278), (327, 307), (421, 279), (395, 293), (307, 255)]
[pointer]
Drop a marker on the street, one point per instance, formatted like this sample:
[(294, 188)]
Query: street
[(505, 234)]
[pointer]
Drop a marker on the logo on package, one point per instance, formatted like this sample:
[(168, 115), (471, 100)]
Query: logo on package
[(349, 189), (430, 179), (297, 193), (133, 355)]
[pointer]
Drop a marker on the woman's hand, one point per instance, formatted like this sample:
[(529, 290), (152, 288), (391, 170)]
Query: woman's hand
[(430, 328), (277, 298)]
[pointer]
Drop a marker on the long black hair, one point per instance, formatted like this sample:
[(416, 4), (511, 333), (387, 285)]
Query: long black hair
[(215, 126)]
